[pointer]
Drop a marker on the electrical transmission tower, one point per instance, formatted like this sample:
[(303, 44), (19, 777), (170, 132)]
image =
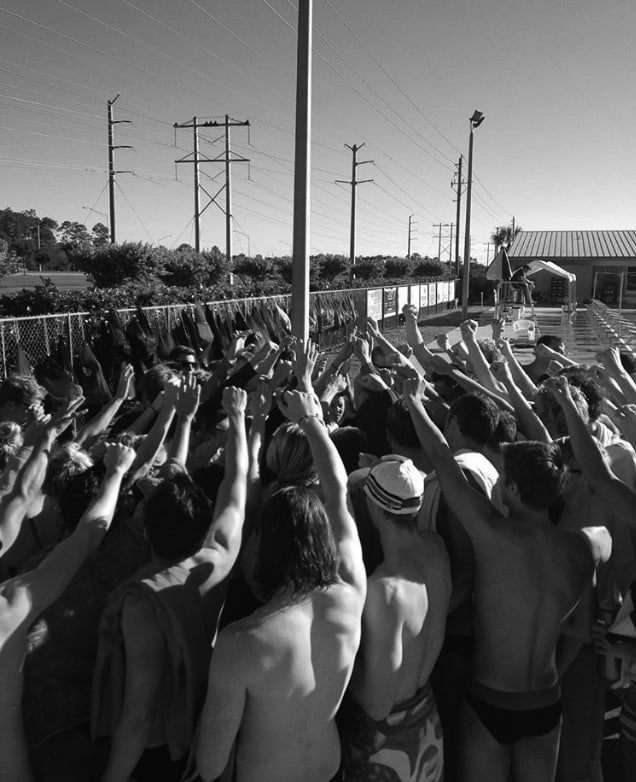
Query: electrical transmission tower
[(457, 183), (111, 163), (196, 158), (354, 183), (440, 226)]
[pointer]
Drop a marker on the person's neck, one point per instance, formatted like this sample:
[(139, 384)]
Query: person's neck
[(399, 545)]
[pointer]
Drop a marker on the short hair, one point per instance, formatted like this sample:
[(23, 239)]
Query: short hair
[(538, 471), (11, 440), (350, 442), (66, 461), (589, 387), (477, 418), (505, 431), (551, 340), (296, 548), (78, 493), (180, 352), (400, 427), (177, 518), (378, 353), (153, 381), (288, 457), (21, 390), (547, 407)]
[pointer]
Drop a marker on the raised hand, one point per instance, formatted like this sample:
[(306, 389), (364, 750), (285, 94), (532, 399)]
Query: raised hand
[(305, 361), (443, 341), (468, 329), (188, 399), (296, 405), (62, 418), (497, 328), (260, 401), (125, 382), (171, 390), (234, 401), (372, 382), (361, 350), (414, 389), (118, 457), (372, 328), (409, 312)]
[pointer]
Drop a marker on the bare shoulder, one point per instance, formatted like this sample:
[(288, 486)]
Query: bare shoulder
[(599, 541), (140, 628)]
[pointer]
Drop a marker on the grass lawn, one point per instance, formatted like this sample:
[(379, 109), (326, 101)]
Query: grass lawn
[(63, 280)]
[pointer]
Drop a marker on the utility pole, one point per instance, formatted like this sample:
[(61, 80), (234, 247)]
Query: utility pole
[(450, 250), (354, 183), (439, 237), (226, 157), (411, 224), (458, 183), (111, 163)]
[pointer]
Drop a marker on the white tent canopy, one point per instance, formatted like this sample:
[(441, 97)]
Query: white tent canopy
[(548, 266)]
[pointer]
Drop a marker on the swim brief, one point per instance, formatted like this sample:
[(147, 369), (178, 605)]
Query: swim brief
[(516, 720)]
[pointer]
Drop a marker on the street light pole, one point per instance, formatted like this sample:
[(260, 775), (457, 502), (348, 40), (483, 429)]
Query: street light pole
[(475, 121)]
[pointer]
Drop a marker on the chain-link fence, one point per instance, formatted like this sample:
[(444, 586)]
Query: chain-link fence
[(39, 336)]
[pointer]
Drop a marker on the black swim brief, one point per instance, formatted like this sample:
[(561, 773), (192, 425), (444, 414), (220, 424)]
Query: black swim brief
[(511, 723)]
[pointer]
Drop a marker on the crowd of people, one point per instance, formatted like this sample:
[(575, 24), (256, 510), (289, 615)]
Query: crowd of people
[(400, 565)]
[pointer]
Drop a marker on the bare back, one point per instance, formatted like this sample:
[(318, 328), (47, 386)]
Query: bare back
[(529, 579), (298, 661)]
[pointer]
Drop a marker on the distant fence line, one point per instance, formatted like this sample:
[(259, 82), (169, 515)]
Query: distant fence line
[(38, 335)]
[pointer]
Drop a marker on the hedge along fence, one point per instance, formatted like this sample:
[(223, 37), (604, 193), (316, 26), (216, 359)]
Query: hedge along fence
[(330, 311)]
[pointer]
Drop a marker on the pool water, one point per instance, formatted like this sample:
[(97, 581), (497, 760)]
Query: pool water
[(581, 334)]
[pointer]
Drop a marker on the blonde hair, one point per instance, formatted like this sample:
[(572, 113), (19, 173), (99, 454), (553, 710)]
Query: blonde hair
[(11, 440), (288, 457)]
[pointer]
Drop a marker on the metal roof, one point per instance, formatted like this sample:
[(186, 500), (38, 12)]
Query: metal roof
[(573, 245)]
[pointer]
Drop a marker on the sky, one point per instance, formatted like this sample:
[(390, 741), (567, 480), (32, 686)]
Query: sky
[(554, 79)]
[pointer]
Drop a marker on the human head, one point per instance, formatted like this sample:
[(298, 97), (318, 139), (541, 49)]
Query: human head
[(183, 359), (288, 458), (553, 342), (394, 490), (176, 518), (77, 494), (296, 549), (471, 421), (209, 479), (533, 474), (547, 407), (153, 381), (400, 429), (340, 407), (10, 441), (66, 461), (19, 393), (350, 442), (591, 390)]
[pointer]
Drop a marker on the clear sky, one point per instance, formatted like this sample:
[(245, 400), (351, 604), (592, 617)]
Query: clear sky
[(555, 79)]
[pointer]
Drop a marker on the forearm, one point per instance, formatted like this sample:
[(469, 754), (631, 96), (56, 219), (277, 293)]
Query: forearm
[(153, 441), (529, 422), (481, 367), (519, 375), (473, 387), (180, 445), (99, 424), (253, 489), (141, 424)]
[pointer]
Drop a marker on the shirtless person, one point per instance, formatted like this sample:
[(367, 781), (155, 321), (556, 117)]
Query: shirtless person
[(529, 578), (158, 628), (390, 720), (24, 597), (278, 676)]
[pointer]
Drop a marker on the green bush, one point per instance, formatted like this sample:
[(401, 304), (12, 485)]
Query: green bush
[(369, 268), (118, 263), (398, 267), (429, 267)]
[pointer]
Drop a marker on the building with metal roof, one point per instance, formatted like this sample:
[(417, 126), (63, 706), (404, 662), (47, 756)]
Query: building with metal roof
[(604, 262)]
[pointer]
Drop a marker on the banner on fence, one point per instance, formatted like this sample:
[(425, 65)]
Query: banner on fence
[(432, 295), (414, 296), (424, 297), (402, 297), (374, 303), (442, 291), (390, 302)]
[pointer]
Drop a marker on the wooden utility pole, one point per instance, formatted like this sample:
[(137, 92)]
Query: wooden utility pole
[(459, 184), (111, 163), (354, 184)]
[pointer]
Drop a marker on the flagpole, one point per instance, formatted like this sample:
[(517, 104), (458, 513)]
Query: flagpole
[(302, 175)]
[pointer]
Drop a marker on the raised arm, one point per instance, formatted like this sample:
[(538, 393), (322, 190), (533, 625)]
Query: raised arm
[(388, 348), (304, 409), (480, 366), (229, 510), (14, 505), (154, 439), (519, 375), (186, 408), (48, 581), (93, 428), (470, 506), (612, 363), (610, 489), (414, 337), (529, 421), (305, 357)]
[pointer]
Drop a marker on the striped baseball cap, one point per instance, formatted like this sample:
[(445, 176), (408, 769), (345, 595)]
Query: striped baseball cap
[(395, 485)]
